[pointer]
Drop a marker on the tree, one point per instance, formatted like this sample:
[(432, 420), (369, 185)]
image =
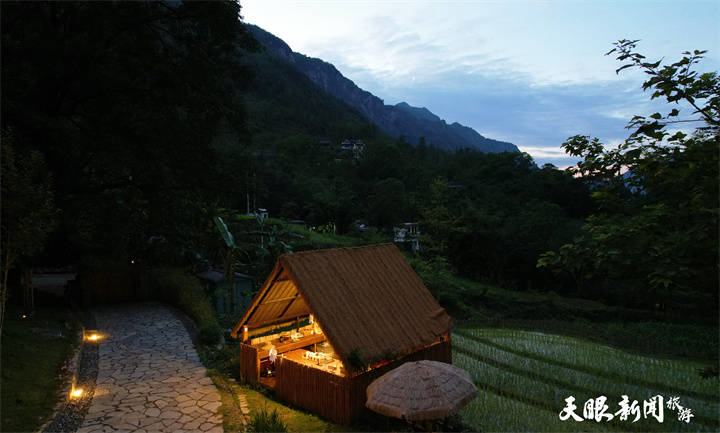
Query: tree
[(439, 221), (124, 99), (336, 202), (656, 229), (572, 261), (28, 209), (387, 204)]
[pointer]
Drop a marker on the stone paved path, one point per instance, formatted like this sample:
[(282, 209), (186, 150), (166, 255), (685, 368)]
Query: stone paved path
[(150, 378)]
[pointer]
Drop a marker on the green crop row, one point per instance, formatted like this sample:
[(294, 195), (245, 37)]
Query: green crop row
[(576, 382), (491, 413), (544, 379), (678, 376)]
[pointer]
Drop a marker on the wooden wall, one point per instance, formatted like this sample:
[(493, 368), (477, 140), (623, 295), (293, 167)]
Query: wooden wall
[(340, 399), (249, 363), (315, 390)]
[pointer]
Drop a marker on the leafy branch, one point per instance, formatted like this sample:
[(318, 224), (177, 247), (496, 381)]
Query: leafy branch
[(674, 82)]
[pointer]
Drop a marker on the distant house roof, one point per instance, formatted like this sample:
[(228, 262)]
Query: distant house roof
[(216, 276), (366, 299)]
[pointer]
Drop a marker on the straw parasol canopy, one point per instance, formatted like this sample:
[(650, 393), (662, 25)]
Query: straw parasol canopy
[(421, 390)]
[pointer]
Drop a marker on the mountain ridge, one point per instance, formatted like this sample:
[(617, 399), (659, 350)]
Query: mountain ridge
[(398, 120)]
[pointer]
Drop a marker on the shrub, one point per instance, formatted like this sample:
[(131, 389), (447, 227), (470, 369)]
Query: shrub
[(266, 421), (449, 290), (186, 293), (209, 333)]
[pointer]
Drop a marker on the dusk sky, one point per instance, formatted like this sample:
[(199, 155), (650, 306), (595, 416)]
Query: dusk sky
[(532, 73)]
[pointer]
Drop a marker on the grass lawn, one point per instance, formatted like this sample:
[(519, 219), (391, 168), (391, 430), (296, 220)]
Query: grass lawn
[(34, 355), (230, 409), (220, 367), (295, 419)]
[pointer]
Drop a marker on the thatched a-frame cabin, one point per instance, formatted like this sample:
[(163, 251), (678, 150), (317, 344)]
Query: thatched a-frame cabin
[(338, 319)]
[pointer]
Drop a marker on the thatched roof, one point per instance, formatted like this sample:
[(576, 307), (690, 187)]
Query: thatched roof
[(368, 300), (421, 390)]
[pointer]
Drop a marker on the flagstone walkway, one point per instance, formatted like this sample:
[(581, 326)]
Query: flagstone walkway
[(150, 378)]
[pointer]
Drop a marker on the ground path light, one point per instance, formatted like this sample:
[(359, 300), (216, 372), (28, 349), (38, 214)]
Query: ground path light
[(75, 392), (91, 335)]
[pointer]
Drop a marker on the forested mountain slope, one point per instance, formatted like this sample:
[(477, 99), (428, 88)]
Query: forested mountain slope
[(395, 120)]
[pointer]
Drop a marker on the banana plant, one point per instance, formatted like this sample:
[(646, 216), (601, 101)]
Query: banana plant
[(230, 257)]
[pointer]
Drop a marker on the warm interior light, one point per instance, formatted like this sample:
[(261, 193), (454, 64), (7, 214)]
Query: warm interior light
[(75, 393), (93, 337), (24, 316)]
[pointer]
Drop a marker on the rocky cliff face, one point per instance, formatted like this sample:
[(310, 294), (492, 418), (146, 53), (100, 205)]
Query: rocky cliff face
[(395, 120)]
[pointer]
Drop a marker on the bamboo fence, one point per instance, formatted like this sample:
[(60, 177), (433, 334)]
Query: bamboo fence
[(340, 399), (249, 363)]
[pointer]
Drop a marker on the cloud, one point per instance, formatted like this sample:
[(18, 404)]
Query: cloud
[(532, 73), (545, 152), (493, 40), (390, 54), (538, 43)]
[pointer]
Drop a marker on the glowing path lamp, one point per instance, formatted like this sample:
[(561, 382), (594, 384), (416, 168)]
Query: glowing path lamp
[(75, 392), (91, 335)]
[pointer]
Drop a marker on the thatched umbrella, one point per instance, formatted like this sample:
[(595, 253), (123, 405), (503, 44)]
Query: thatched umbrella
[(421, 390)]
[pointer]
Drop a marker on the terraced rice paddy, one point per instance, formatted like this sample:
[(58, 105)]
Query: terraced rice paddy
[(524, 378)]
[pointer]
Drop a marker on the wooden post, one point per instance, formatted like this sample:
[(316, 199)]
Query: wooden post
[(297, 323)]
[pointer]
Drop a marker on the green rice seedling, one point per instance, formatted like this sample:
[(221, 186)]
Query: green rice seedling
[(489, 412), (680, 376), (536, 372), (571, 381)]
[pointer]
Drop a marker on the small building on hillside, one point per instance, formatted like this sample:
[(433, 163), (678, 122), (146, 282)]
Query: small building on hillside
[(408, 234), (336, 320), (260, 212), (218, 287), (354, 146)]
